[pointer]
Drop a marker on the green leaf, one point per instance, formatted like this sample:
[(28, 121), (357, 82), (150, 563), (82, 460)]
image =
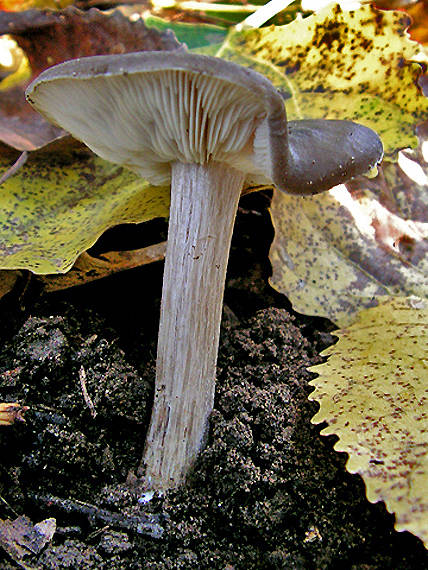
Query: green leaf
[(373, 395), (60, 202), (193, 35), (342, 65)]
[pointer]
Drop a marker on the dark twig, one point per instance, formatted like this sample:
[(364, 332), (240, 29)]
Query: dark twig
[(147, 524)]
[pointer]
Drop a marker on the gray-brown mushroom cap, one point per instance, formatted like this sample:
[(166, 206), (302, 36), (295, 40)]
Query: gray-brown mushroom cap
[(147, 110)]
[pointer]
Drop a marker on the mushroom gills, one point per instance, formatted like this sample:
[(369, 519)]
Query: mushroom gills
[(160, 117)]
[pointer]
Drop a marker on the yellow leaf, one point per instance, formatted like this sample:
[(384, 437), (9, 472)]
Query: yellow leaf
[(62, 200), (335, 253), (332, 64), (20, 5), (342, 65), (373, 395)]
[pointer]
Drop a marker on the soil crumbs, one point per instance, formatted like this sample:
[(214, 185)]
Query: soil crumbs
[(266, 492)]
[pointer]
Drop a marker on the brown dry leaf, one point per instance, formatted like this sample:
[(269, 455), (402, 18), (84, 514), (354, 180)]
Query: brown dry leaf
[(48, 38), (419, 28), (88, 268), (21, 539), (11, 412), (7, 281)]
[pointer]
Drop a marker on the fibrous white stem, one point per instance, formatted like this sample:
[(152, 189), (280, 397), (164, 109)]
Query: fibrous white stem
[(204, 200)]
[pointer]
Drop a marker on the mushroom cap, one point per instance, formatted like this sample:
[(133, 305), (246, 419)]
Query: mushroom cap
[(147, 110)]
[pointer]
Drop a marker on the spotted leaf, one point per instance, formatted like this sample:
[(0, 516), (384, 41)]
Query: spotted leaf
[(342, 65), (61, 200), (373, 395), (335, 253)]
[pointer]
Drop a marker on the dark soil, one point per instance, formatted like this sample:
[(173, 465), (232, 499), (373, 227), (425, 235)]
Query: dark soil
[(267, 491)]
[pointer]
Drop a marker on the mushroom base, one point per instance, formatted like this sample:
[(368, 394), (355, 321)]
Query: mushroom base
[(204, 200)]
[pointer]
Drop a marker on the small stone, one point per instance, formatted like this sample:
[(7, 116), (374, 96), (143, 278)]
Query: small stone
[(114, 542)]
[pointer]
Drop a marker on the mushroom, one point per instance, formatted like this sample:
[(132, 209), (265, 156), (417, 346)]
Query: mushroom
[(208, 127)]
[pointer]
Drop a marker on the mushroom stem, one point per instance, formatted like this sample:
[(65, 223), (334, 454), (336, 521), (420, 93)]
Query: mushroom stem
[(204, 200)]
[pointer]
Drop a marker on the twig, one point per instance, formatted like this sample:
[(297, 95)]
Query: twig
[(147, 524), (86, 397), (12, 510), (15, 167), (97, 532)]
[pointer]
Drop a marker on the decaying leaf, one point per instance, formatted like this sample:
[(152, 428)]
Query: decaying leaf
[(48, 38), (58, 205), (419, 13), (21, 539), (373, 395), (342, 65), (11, 412), (88, 268), (336, 252)]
